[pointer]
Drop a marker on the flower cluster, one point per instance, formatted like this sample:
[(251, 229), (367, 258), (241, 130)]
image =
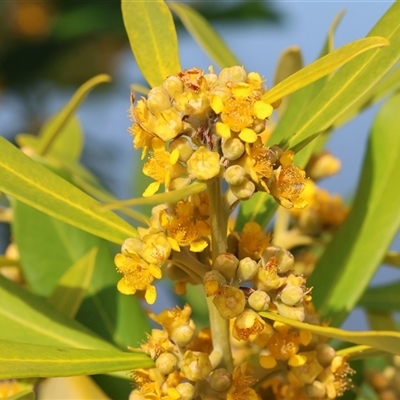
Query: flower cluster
[(201, 125), (211, 128)]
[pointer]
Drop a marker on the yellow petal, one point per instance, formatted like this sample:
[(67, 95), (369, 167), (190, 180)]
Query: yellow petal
[(124, 288), (198, 245), (241, 89), (174, 243), (297, 360), (248, 135), (151, 189), (173, 158), (151, 294), (267, 362), (155, 271), (216, 104), (262, 110), (223, 130)]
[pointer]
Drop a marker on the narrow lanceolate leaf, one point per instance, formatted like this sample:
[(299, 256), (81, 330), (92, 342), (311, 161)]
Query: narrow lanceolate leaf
[(28, 318), (349, 84), (360, 352), (55, 125), (33, 184), (382, 298), (322, 67), (69, 293), (23, 360), (152, 36), (205, 35), (387, 341), (345, 269)]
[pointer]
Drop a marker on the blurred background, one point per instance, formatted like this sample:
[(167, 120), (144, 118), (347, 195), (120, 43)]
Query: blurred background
[(49, 48)]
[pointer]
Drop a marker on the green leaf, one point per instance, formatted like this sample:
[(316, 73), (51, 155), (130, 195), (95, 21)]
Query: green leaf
[(322, 67), (27, 318), (68, 295), (152, 36), (33, 184), (55, 125), (358, 247), (350, 83), (23, 360), (387, 341), (205, 35), (103, 308), (382, 298), (67, 144)]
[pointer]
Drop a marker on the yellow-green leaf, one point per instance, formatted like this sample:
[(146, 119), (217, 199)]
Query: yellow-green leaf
[(345, 269), (23, 360), (205, 35), (387, 341), (33, 184), (27, 394), (382, 298), (56, 124), (70, 291), (152, 36), (323, 66)]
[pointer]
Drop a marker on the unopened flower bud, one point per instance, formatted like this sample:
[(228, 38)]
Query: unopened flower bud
[(259, 300), (173, 86), (292, 312), (291, 295), (325, 354), (235, 175), (186, 390), (213, 280), (131, 246), (184, 148), (158, 100), (196, 366), (234, 74), (227, 264), (316, 390), (166, 363), (285, 259), (247, 325), (322, 166), (220, 380), (247, 269), (244, 190), (204, 164), (232, 148), (183, 334), (229, 302)]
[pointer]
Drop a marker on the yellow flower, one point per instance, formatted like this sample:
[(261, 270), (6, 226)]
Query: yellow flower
[(253, 241), (173, 319), (156, 248), (138, 275), (184, 228), (242, 383), (229, 301)]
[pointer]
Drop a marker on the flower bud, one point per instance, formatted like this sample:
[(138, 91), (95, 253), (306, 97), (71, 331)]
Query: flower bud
[(316, 390), (173, 86), (227, 264), (158, 100), (322, 166), (259, 300), (204, 164), (232, 148), (184, 148), (291, 295), (186, 390), (229, 302), (247, 326), (195, 366), (131, 246), (234, 74), (235, 175), (247, 269), (325, 354), (285, 259), (292, 312), (220, 380), (166, 363), (183, 334), (244, 190)]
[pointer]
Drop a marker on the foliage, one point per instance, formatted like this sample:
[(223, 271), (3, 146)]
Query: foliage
[(275, 279)]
